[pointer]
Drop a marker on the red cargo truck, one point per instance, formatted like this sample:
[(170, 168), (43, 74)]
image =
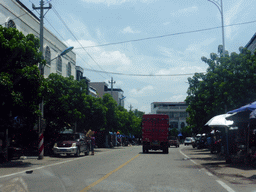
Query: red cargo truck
[(155, 132)]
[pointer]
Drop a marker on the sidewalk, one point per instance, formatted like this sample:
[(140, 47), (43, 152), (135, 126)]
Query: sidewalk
[(236, 173), (28, 163)]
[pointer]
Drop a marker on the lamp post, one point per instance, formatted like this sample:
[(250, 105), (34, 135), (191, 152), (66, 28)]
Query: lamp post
[(220, 8), (41, 119), (219, 5)]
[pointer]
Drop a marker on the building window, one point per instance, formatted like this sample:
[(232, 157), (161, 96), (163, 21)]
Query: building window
[(182, 125), (59, 64), (48, 55), (69, 69), (11, 24), (183, 114)]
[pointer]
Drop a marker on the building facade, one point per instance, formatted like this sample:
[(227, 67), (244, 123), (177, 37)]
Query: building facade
[(102, 88), (251, 45), (17, 15), (175, 110)]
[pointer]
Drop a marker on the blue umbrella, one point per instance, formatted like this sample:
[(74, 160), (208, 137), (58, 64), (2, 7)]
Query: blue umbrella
[(179, 134), (248, 107)]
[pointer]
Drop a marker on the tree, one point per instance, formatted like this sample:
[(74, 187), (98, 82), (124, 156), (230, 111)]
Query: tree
[(94, 114), (111, 118), (21, 84), (229, 83)]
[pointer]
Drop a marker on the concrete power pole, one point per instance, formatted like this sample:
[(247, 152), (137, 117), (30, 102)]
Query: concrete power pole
[(112, 82), (40, 126)]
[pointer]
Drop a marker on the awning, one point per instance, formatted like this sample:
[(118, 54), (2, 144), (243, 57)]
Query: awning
[(219, 121)]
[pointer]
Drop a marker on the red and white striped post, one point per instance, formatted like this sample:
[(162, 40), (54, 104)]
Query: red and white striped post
[(41, 146)]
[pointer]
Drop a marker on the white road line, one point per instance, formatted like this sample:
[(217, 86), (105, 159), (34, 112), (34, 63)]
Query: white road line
[(9, 175), (225, 186), (207, 172), (188, 157), (37, 168)]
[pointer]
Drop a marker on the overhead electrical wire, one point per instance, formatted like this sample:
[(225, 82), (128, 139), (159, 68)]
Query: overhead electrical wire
[(58, 15), (142, 39), (145, 75), (167, 35), (64, 40)]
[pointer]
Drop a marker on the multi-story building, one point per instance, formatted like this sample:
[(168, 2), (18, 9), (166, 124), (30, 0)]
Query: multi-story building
[(102, 88), (175, 110), (17, 15), (251, 45)]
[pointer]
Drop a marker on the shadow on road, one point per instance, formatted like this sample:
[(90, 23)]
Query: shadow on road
[(14, 164), (215, 161)]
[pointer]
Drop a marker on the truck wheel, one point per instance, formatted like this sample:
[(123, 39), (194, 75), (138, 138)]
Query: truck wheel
[(165, 150), (144, 149), (228, 160)]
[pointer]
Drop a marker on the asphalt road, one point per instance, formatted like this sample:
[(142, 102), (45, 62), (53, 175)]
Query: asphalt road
[(120, 169)]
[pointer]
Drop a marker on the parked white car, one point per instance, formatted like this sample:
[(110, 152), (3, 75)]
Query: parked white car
[(189, 141)]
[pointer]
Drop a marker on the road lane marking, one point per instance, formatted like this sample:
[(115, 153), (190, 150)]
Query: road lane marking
[(225, 186), (188, 157), (37, 168), (207, 172), (107, 175)]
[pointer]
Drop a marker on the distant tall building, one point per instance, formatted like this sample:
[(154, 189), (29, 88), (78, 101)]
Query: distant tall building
[(102, 88), (175, 110)]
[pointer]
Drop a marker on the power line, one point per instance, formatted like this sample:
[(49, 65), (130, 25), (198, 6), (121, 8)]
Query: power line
[(64, 40), (58, 15), (144, 75), (15, 18), (167, 35)]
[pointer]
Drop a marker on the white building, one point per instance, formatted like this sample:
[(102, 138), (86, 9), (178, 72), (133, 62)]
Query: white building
[(14, 14), (175, 110), (102, 88)]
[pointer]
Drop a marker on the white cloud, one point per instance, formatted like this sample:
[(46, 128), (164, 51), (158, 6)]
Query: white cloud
[(114, 2), (113, 57), (176, 98), (101, 56), (129, 30), (185, 12), (141, 92), (232, 15)]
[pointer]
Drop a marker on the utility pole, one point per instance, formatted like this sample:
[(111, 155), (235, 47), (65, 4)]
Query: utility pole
[(130, 107), (112, 82), (40, 123)]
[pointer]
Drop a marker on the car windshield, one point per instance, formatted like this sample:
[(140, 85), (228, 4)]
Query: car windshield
[(68, 137), (172, 138)]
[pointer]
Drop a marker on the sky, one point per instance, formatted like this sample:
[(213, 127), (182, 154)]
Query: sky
[(149, 47)]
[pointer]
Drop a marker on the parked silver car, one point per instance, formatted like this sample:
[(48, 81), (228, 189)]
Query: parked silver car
[(74, 144)]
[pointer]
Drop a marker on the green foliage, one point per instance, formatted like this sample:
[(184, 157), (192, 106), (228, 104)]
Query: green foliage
[(229, 83), (21, 84), (65, 102), (68, 106), (173, 132)]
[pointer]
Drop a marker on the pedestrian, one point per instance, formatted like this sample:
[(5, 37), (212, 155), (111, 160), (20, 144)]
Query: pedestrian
[(92, 144), (89, 135)]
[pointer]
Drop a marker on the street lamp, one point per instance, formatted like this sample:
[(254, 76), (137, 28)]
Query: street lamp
[(220, 7), (41, 123), (64, 52)]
